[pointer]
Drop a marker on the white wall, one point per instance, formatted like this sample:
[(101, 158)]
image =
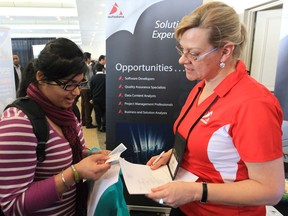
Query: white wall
[(240, 6), (95, 52)]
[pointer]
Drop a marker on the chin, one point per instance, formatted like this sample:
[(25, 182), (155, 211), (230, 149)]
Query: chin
[(66, 106), (191, 77)]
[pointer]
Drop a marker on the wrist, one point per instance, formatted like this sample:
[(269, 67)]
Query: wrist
[(75, 174), (66, 178), (93, 150), (64, 181), (204, 196)]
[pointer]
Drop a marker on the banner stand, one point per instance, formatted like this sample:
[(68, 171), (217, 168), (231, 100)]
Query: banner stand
[(7, 82)]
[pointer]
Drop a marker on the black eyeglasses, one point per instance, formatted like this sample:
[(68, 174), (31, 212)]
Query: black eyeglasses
[(69, 86)]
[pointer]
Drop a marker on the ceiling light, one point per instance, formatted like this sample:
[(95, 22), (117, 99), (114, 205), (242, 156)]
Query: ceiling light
[(41, 27), (44, 35), (29, 11)]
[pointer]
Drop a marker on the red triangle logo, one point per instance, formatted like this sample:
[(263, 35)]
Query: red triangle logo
[(115, 9)]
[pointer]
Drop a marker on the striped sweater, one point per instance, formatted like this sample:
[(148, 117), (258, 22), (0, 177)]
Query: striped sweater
[(27, 187)]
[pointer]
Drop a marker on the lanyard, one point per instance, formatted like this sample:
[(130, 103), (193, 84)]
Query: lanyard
[(198, 119), (180, 143)]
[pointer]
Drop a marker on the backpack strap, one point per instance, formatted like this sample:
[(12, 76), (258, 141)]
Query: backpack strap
[(76, 111), (37, 118)]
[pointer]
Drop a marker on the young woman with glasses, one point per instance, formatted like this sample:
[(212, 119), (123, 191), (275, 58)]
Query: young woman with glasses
[(53, 186)]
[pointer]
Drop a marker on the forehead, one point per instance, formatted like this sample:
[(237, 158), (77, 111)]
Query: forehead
[(15, 57), (195, 37)]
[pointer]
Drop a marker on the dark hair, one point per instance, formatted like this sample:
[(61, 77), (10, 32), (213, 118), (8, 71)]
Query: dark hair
[(99, 67), (87, 55), (28, 76), (60, 58), (101, 57)]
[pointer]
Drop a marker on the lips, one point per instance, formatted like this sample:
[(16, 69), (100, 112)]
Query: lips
[(69, 100), (187, 69)]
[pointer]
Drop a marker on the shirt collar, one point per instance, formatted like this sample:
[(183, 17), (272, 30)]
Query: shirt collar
[(231, 80)]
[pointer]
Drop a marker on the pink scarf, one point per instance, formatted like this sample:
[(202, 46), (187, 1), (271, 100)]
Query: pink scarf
[(65, 118)]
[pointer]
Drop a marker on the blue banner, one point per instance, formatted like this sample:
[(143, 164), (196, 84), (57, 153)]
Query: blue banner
[(145, 85), (281, 83)]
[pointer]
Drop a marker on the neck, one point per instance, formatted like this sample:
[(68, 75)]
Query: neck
[(222, 73), (211, 84)]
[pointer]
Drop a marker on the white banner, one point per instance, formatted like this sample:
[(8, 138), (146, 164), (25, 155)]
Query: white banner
[(7, 82)]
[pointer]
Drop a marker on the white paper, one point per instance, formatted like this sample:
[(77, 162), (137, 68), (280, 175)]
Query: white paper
[(115, 154), (109, 178), (139, 179), (98, 187), (271, 211)]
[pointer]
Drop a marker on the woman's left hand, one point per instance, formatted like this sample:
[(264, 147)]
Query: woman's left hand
[(105, 152), (162, 161), (175, 194), (88, 152), (93, 167)]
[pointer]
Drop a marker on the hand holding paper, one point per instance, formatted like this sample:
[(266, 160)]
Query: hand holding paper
[(115, 154), (158, 158), (139, 179)]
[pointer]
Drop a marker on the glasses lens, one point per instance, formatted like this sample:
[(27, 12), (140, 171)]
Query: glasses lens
[(59, 83), (83, 84), (72, 86)]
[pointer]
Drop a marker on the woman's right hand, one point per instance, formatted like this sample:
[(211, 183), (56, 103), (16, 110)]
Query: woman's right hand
[(93, 167), (162, 161)]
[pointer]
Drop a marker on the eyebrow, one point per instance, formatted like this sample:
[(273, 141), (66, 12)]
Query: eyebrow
[(192, 48)]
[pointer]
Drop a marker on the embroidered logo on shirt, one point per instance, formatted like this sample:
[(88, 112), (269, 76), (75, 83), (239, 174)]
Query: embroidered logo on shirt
[(206, 117)]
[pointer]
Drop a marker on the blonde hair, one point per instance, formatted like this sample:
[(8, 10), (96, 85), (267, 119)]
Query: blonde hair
[(223, 22)]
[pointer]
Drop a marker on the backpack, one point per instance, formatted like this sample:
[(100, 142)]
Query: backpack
[(39, 123)]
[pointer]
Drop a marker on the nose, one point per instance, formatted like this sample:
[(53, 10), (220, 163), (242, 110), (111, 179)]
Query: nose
[(76, 91), (183, 59)]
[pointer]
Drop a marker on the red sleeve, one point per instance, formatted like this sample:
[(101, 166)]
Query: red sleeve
[(257, 128)]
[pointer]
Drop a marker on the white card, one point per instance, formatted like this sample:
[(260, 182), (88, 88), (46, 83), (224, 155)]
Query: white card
[(115, 154)]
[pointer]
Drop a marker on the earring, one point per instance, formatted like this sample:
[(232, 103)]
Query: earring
[(222, 64)]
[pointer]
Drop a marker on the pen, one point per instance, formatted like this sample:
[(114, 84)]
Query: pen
[(158, 158)]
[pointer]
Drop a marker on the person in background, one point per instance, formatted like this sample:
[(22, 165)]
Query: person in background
[(18, 69), (27, 77), (229, 127), (100, 65), (93, 63), (98, 89), (54, 186), (86, 96)]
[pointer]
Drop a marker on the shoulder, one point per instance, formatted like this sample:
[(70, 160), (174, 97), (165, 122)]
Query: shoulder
[(93, 77), (13, 113), (252, 93), (13, 119), (15, 126)]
